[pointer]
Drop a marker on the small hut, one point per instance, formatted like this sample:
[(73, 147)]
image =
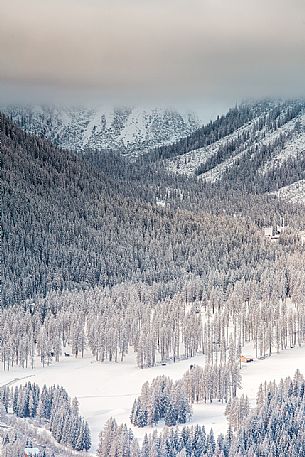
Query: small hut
[(245, 359)]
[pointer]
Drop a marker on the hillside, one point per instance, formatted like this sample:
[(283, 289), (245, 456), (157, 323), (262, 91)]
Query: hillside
[(72, 223), (127, 130), (294, 192), (258, 147)]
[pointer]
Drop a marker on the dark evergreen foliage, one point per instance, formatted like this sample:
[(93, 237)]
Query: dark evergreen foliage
[(275, 428), (71, 222), (52, 406)]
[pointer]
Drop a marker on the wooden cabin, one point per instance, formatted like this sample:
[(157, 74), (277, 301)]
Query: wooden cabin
[(245, 359)]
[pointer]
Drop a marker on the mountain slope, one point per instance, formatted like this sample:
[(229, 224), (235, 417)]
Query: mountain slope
[(266, 140), (67, 224), (130, 131), (294, 193)]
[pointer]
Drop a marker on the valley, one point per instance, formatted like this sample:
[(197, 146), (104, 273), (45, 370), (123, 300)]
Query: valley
[(123, 268)]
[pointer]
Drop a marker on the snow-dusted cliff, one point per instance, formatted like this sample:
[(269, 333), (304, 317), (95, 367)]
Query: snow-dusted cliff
[(131, 131)]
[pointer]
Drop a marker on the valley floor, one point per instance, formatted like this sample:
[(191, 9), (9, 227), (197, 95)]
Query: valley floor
[(107, 390)]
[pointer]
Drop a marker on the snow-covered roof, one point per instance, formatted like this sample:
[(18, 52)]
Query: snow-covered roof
[(31, 451)]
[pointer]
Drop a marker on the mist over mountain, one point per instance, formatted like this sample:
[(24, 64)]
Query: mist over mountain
[(152, 282), (146, 255)]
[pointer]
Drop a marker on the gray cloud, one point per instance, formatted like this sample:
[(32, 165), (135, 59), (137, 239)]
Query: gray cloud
[(155, 48)]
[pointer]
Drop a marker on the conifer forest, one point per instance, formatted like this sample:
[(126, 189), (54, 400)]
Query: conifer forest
[(152, 228)]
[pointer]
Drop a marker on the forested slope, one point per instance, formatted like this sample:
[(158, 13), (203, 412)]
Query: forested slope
[(69, 222), (256, 147)]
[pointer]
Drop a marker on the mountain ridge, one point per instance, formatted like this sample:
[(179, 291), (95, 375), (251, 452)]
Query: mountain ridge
[(268, 144), (256, 146), (128, 130)]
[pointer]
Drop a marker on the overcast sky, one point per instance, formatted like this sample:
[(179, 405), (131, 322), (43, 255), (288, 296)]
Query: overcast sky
[(190, 51)]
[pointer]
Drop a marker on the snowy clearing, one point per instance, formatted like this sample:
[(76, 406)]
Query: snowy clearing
[(108, 390)]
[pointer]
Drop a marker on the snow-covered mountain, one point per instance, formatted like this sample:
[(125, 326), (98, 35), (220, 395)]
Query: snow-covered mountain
[(278, 129), (129, 130), (258, 147)]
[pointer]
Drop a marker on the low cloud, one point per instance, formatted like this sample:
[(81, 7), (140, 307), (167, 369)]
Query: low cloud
[(152, 48)]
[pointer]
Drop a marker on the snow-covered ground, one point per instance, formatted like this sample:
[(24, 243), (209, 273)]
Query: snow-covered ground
[(108, 390), (294, 193), (292, 148), (188, 163)]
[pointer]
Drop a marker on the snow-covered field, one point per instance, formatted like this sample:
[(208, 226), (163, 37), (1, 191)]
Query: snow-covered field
[(108, 390)]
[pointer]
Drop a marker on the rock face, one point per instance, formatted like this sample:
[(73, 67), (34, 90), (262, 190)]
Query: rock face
[(131, 131)]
